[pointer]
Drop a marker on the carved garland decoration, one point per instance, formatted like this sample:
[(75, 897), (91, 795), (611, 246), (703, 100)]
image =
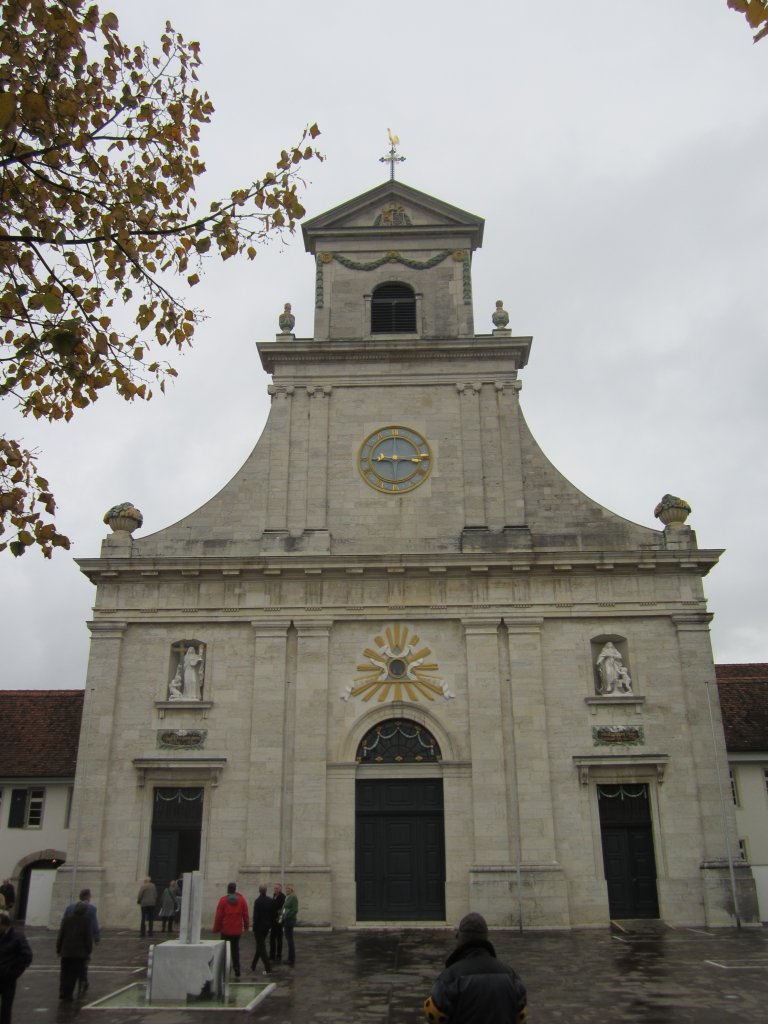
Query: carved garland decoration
[(393, 256)]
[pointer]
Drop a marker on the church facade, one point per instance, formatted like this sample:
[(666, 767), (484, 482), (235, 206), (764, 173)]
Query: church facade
[(399, 660)]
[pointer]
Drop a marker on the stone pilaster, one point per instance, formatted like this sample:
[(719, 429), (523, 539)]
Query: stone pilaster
[(490, 798), (510, 455), (309, 752), (317, 469), (472, 454), (91, 797), (279, 447), (531, 745), (707, 746), (265, 781)]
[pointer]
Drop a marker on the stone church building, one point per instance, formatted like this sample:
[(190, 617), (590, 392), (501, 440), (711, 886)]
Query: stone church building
[(399, 660)]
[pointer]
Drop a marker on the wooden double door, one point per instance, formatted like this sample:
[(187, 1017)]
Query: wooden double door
[(400, 850), (177, 819), (628, 857)]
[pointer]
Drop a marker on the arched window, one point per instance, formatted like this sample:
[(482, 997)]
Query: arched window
[(393, 310), (398, 741)]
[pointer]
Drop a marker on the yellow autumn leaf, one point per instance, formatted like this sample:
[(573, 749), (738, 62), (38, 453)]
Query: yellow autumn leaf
[(7, 108), (34, 106)]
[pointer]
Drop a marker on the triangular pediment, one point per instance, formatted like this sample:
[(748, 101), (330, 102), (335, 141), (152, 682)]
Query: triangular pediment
[(392, 208)]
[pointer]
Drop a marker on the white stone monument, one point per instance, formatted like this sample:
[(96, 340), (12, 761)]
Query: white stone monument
[(188, 968)]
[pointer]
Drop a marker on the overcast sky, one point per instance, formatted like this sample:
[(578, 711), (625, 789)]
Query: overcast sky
[(618, 153)]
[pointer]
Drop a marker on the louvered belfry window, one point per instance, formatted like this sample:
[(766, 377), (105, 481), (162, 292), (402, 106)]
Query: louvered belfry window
[(393, 310)]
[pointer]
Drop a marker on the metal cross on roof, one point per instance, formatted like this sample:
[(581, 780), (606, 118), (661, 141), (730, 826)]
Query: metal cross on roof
[(392, 157)]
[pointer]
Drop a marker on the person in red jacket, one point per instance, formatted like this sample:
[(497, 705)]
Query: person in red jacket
[(231, 920)]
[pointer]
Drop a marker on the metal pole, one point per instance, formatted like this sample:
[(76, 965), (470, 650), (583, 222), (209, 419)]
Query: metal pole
[(284, 786), (726, 829)]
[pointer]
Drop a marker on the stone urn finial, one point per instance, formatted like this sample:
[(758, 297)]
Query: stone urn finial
[(124, 518), (672, 511), (286, 320), (500, 316)]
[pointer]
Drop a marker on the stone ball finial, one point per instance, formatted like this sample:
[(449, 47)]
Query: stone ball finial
[(286, 320), (672, 511), (500, 316), (124, 518)]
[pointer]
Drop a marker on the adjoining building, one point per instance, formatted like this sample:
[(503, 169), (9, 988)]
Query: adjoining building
[(38, 755), (744, 702), (399, 659)]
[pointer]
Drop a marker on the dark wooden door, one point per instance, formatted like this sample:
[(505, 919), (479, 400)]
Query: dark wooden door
[(400, 850), (628, 857), (176, 827)]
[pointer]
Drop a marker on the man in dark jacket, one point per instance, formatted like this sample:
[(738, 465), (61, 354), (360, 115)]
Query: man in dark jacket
[(263, 915), (73, 944), (475, 987), (90, 910), (276, 931), (15, 958)]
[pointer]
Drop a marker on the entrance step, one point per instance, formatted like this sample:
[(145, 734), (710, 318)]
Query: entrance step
[(639, 926)]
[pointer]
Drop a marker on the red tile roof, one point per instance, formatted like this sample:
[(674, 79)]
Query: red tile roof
[(743, 693), (39, 732)]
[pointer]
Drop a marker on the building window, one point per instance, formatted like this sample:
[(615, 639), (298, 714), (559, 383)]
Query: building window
[(398, 741), (734, 787), (393, 310), (68, 809), (743, 850), (765, 777), (26, 808)]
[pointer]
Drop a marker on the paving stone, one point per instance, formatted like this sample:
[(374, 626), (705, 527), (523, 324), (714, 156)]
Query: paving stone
[(682, 976)]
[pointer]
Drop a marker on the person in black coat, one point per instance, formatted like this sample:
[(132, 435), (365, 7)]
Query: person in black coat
[(73, 944), (475, 987), (15, 958), (8, 893), (263, 916), (276, 931)]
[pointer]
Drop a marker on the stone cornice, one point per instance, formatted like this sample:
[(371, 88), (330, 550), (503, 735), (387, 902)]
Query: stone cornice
[(561, 563), (393, 350)]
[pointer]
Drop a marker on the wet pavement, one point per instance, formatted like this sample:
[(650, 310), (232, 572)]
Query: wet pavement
[(678, 976)]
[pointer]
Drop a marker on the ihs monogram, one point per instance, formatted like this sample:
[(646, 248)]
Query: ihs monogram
[(399, 669)]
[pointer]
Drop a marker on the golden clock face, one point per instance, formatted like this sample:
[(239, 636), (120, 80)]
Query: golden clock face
[(394, 460)]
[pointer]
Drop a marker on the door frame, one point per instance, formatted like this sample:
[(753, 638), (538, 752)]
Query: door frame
[(643, 824), (413, 776)]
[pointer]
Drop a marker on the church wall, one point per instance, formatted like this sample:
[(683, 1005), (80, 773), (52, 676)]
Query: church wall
[(513, 580)]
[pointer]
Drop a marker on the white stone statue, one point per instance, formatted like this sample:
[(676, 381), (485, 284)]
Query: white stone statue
[(614, 677), (192, 668), (175, 686)]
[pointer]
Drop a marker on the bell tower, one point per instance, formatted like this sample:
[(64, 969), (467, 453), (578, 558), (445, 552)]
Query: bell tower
[(393, 261)]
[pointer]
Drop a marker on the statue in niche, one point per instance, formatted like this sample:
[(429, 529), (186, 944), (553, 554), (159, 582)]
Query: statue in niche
[(193, 673), (611, 671), (175, 686), (188, 665)]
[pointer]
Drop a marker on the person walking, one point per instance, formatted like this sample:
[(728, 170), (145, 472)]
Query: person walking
[(290, 913), (276, 931), (475, 987), (15, 958), (168, 906), (263, 916), (147, 900), (73, 944), (230, 921), (90, 910)]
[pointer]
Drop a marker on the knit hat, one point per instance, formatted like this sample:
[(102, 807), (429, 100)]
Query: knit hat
[(472, 926)]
